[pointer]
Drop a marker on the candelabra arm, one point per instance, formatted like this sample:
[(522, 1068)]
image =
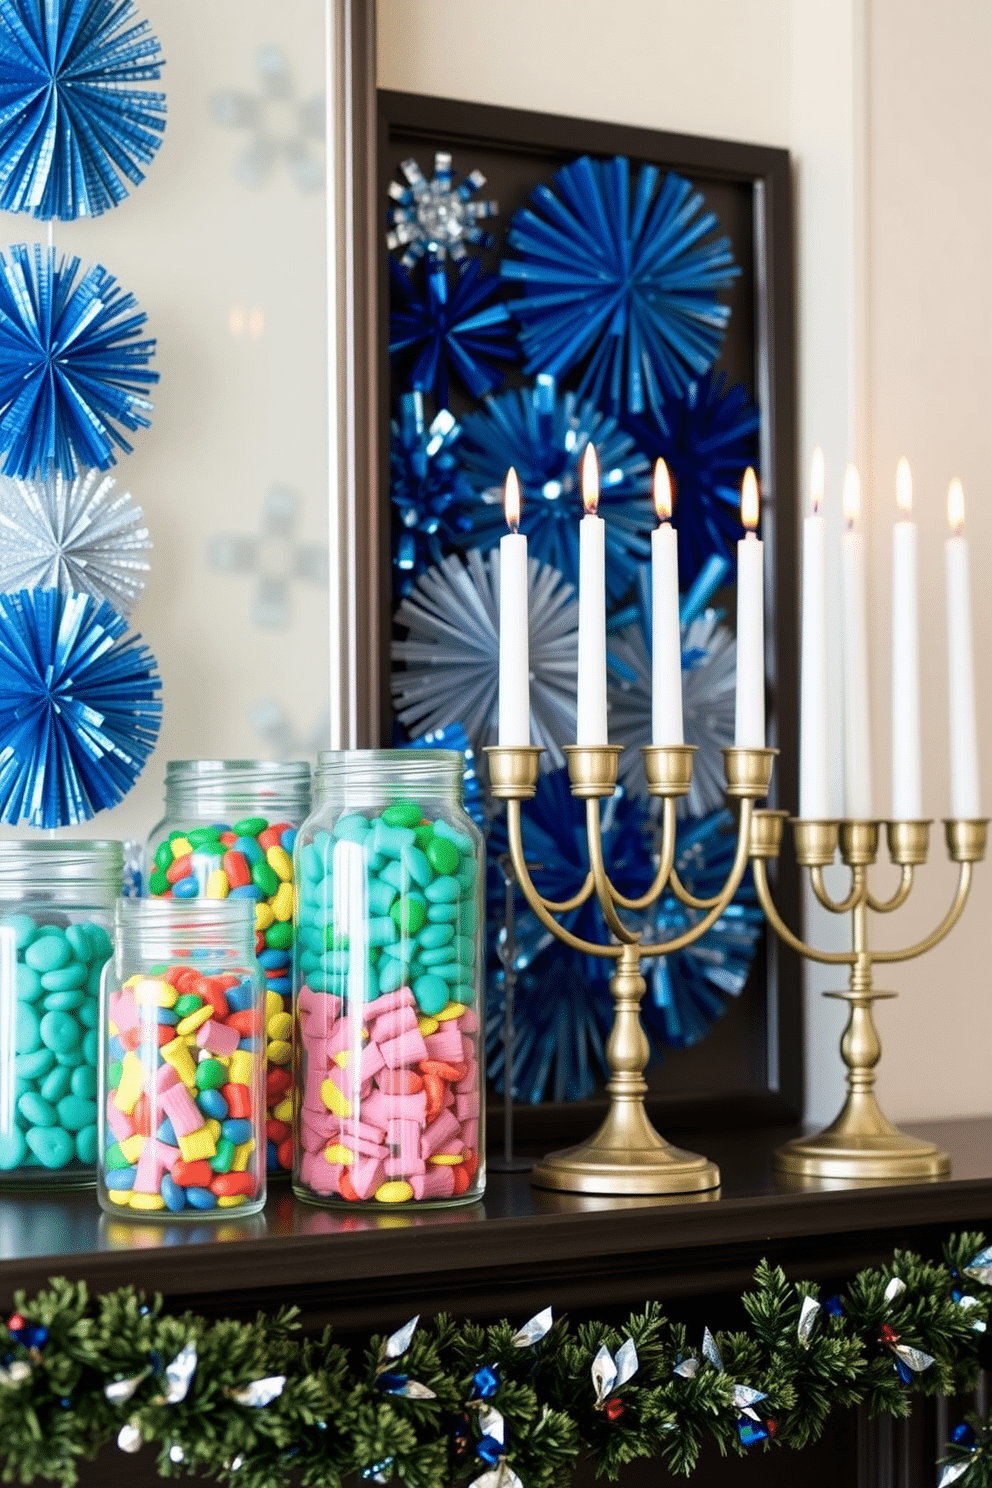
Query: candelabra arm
[(564, 906), (604, 889), (946, 925), (886, 906), (842, 906), (828, 958), (733, 883), (666, 860), (534, 899)]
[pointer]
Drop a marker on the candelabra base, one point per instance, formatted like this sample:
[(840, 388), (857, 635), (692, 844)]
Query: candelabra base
[(862, 1143), (617, 1163)]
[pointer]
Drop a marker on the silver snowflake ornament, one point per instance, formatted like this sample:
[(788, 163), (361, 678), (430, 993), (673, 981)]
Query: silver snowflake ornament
[(436, 218), (81, 536)]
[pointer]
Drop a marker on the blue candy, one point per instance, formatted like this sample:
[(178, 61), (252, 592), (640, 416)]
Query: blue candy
[(201, 1198), (271, 1155), (237, 1130), (250, 1045), (212, 1104), (241, 997), (272, 959), (115, 1049), (279, 984), (186, 888), (244, 891), (165, 1015), (250, 849), (122, 1178), (174, 1196), (288, 840), (166, 1132)]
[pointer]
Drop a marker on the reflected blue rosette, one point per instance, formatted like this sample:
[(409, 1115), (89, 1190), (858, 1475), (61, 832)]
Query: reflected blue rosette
[(430, 493), (79, 707), (561, 1026), (543, 435), (453, 737), (436, 219), (450, 324), (708, 439), (620, 279), (74, 370), (74, 124)]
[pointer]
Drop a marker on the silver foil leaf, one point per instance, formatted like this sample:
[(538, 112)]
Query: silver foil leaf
[(500, 1476), (687, 1368), (533, 1331), (604, 1374), (894, 1290), (979, 1268), (179, 1375), (710, 1350), (914, 1359), (745, 1397), (491, 1423), (627, 1362), (176, 1453), (952, 1472), (119, 1392), (16, 1373), (807, 1317), (414, 1390), (397, 1343), (129, 1438), (260, 1392)]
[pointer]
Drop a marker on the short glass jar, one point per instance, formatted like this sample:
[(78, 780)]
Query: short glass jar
[(228, 832), (56, 909), (182, 1112), (389, 1106)]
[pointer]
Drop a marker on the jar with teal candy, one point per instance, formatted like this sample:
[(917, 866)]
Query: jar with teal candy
[(228, 832), (389, 1090), (56, 912)]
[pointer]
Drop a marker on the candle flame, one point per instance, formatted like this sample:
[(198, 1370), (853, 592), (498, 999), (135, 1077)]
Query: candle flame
[(749, 500), (904, 486), (511, 499), (662, 490), (955, 505), (852, 495), (817, 479), (590, 479)]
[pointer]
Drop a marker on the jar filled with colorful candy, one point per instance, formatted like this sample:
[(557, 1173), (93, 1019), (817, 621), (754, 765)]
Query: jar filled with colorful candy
[(182, 1129), (228, 832), (56, 911), (389, 976)]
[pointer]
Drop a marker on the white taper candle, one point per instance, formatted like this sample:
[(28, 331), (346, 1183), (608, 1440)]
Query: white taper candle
[(514, 630), (591, 690), (749, 722), (666, 635)]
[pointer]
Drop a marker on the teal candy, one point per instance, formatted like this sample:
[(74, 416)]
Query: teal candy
[(381, 895), (310, 938), (443, 914), (390, 841), (452, 971), (444, 890), (466, 876), (431, 994), (402, 814), (39, 1112), (383, 931), (60, 1031), (462, 842), (395, 876), (86, 1145), (52, 1146), (392, 974), (13, 1149), (437, 957), (63, 1002), (443, 854), (79, 942), (89, 1013), (91, 1046), (75, 1112), (308, 961), (417, 865), (27, 1036), (84, 1082), (311, 865), (93, 979), (23, 927), (31, 1066), (468, 917), (352, 828), (49, 930), (100, 946), (335, 961), (49, 952), (28, 984), (432, 936), (57, 1083), (65, 978)]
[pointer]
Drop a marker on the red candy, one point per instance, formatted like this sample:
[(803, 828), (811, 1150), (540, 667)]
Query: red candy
[(277, 1082), (197, 1174), (238, 1099), (226, 1185), (284, 1152), (237, 869), (181, 868), (249, 1024), (276, 1131)]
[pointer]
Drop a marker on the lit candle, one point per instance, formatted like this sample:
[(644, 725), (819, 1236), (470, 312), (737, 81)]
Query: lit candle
[(907, 775), (514, 640), (591, 695), (814, 788), (857, 735), (965, 800), (666, 636), (749, 727)]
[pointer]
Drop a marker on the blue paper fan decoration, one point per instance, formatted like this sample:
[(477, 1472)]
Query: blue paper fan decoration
[(79, 707), (73, 368), (708, 439), (430, 493), (561, 1025), (453, 737), (74, 125), (621, 281), (544, 436), (450, 324), (436, 219)]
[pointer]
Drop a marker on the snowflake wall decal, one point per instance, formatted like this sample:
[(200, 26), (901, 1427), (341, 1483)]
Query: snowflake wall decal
[(281, 127), (276, 557)]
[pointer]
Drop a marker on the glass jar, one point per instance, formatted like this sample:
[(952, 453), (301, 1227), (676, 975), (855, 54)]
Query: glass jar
[(56, 907), (389, 1108), (182, 1107), (228, 831)]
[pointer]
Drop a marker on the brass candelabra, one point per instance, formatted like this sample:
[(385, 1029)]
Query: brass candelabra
[(626, 1155), (861, 1142)]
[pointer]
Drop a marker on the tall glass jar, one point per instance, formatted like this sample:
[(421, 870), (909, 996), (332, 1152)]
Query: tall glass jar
[(182, 1108), (389, 1104), (228, 831), (56, 908)]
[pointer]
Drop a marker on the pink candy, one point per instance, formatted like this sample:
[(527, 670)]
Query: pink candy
[(218, 1038)]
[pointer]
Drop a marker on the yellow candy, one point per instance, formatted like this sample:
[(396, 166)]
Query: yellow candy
[(112, 1028), (230, 1201), (121, 1196), (198, 1144), (241, 1156), (427, 1025), (193, 1022), (132, 1083), (336, 1152), (213, 1127), (147, 1201), (284, 1110), (280, 1026), (280, 862), (239, 1067), (279, 1052), (181, 846), (263, 917), (217, 884), (342, 1058), (336, 1102), (282, 902), (453, 1010), (394, 1192), (131, 1147), (133, 981), (177, 1054), (151, 992), (446, 1159), (273, 1005)]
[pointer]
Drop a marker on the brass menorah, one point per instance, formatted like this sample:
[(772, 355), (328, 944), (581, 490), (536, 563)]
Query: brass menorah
[(626, 1155), (862, 1142)]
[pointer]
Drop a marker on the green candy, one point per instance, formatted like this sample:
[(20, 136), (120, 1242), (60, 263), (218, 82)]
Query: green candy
[(223, 1157), (442, 855), (204, 837), (50, 952), (23, 927), (431, 994), (52, 1146), (37, 1111), (75, 1112), (163, 860), (210, 1073), (60, 1032), (86, 1145), (66, 979), (279, 937), (249, 826), (114, 1073), (423, 834), (265, 878), (432, 936), (115, 1159), (402, 814), (409, 913), (84, 1082), (188, 1003), (443, 890)]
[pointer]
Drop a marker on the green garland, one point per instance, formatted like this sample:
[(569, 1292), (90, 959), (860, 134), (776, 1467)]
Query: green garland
[(252, 1403)]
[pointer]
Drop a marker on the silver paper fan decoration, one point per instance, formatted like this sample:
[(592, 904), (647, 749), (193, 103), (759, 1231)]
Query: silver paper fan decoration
[(80, 536), (450, 657)]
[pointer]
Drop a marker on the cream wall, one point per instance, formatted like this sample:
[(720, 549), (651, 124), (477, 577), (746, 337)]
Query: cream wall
[(884, 104)]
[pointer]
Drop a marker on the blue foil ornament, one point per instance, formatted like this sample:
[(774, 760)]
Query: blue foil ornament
[(544, 435), (485, 1383), (73, 367), (79, 707), (453, 737), (74, 124), (450, 324), (436, 218), (430, 493), (708, 438), (620, 279)]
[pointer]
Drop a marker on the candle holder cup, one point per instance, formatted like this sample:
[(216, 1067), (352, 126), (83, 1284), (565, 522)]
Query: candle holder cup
[(862, 1142), (626, 1155)]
